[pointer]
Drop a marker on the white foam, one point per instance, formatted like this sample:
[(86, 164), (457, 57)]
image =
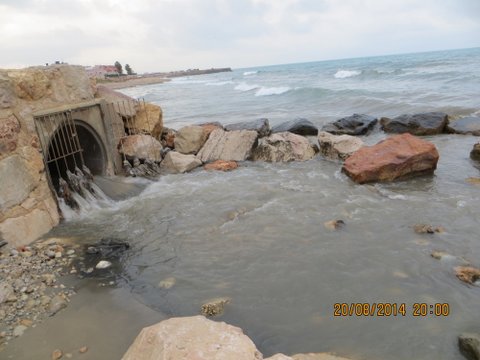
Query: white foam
[(219, 83), (266, 91), (243, 86), (247, 73), (343, 74)]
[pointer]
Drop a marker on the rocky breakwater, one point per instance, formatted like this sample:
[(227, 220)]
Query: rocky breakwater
[(199, 338), (28, 208)]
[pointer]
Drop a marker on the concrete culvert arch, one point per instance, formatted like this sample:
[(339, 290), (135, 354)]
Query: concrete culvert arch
[(72, 146)]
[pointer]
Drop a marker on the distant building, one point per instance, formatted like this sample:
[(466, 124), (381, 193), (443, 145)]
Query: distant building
[(101, 71)]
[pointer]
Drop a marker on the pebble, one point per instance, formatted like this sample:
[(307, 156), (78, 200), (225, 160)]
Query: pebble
[(334, 224), (83, 350), (19, 330), (103, 264), (167, 283), (57, 354), (56, 304)]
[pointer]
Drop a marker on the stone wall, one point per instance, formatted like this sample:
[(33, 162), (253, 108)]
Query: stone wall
[(28, 208)]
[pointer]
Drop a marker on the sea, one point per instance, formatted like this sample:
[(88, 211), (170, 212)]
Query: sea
[(323, 91), (256, 235)]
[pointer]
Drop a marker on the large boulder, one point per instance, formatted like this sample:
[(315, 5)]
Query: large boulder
[(357, 124), (234, 145), (143, 147), (338, 147), (192, 338), (148, 119), (430, 123), (190, 139), (298, 126), (284, 146), (465, 125), (262, 126), (17, 181), (475, 153), (396, 157), (469, 345), (123, 104), (179, 163)]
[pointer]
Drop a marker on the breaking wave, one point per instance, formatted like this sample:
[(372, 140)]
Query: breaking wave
[(343, 74), (243, 86), (266, 91), (247, 73)]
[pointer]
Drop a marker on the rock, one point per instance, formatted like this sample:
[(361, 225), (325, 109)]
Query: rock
[(17, 181), (167, 283), (19, 330), (167, 138), (427, 229), (57, 354), (473, 181), (148, 119), (431, 123), (141, 147), (465, 125), (475, 153), (357, 124), (83, 350), (439, 255), (284, 146), (338, 147), (334, 224), (467, 274), (209, 127), (179, 163), (6, 291), (190, 139), (103, 264), (192, 338), (397, 157), (215, 307), (299, 126), (221, 165), (261, 126), (9, 129), (57, 303), (234, 145), (469, 345), (279, 357)]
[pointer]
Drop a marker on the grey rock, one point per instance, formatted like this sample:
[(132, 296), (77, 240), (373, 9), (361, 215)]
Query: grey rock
[(103, 264), (338, 147), (6, 291), (282, 147), (262, 126), (299, 126), (357, 124), (57, 303), (430, 123), (475, 153), (234, 145), (179, 163), (19, 330), (190, 139), (466, 125), (469, 345), (17, 181)]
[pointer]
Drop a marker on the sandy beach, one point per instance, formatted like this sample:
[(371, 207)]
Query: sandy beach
[(132, 82)]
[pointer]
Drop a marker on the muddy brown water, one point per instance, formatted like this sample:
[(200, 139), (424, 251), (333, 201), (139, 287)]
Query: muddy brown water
[(257, 235)]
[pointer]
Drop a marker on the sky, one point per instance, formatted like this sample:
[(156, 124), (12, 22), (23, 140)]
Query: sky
[(164, 35)]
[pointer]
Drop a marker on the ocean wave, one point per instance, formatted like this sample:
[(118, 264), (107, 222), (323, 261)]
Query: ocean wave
[(266, 91), (243, 86), (247, 73), (219, 83), (342, 74)]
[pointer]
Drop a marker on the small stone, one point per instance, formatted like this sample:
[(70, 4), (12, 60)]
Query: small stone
[(26, 322), (48, 279), (467, 274), (439, 255), (469, 345), (215, 307), (57, 354), (56, 304), (26, 254), (6, 291), (13, 253), (83, 350), (334, 224), (58, 254), (103, 264), (19, 330), (70, 252), (89, 270), (427, 229), (69, 355), (167, 283), (45, 300), (50, 254)]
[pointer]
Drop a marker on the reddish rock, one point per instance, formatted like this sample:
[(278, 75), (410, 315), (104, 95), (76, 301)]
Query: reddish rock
[(467, 274), (399, 156), (221, 165)]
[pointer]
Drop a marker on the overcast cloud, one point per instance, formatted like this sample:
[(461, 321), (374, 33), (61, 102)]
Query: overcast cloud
[(157, 35)]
